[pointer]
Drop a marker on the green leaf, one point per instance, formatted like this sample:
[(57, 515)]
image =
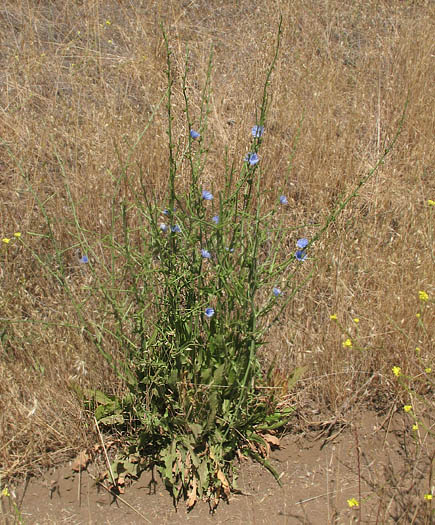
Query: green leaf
[(206, 375), (115, 419), (203, 473), (81, 394), (214, 404), (195, 459), (173, 377), (169, 455), (104, 410), (256, 438), (100, 397), (121, 466), (297, 374), (267, 465), (196, 429), (218, 374)]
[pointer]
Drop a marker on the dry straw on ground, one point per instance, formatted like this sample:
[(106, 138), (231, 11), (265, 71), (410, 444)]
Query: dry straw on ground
[(78, 82)]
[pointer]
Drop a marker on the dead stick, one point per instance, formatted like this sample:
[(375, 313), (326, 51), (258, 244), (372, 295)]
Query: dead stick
[(105, 453), (302, 501), (358, 453), (119, 497), (79, 495)]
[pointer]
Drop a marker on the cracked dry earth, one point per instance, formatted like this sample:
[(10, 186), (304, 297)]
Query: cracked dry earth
[(319, 474)]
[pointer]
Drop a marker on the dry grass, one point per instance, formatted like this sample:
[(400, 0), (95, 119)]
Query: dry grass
[(79, 81)]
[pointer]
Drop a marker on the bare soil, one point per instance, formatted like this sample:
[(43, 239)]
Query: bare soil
[(319, 474)]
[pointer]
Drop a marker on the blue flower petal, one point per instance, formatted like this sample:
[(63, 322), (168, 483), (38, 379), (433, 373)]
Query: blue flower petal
[(194, 134), (206, 195), (302, 243), (283, 199), (301, 255), (252, 158), (257, 131), (209, 312)]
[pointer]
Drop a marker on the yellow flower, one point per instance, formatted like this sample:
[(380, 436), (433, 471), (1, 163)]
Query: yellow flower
[(431, 202), (108, 22), (5, 492), (17, 235), (352, 502), (6, 240), (356, 320), (428, 497), (428, 370), (418, 316), (418, 350), (333, 317), (415, 426), (407, 408), (423, 295), (347, 343), (396, 370)]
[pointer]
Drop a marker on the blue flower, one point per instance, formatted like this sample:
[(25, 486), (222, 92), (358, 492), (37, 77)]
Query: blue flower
[(302, 243), (84, 259), (301, 255), (175, 229), (209, 312), (167, 212), (215, 219), (206, 195), (194, 134), (276, 292), (206, 254), (283, 199), (257, 131), (163, 227), (252, 158)]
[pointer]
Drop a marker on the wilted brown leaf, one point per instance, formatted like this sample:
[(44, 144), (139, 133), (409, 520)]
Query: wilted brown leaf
[(272, 440), (81, 461), (225, 485), (121, 484), (264, 451), (191, 500)]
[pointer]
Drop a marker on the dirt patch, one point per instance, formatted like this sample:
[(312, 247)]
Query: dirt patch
[(379, 463)]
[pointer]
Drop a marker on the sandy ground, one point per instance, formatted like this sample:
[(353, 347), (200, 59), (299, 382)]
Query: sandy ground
[(319, 474)]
